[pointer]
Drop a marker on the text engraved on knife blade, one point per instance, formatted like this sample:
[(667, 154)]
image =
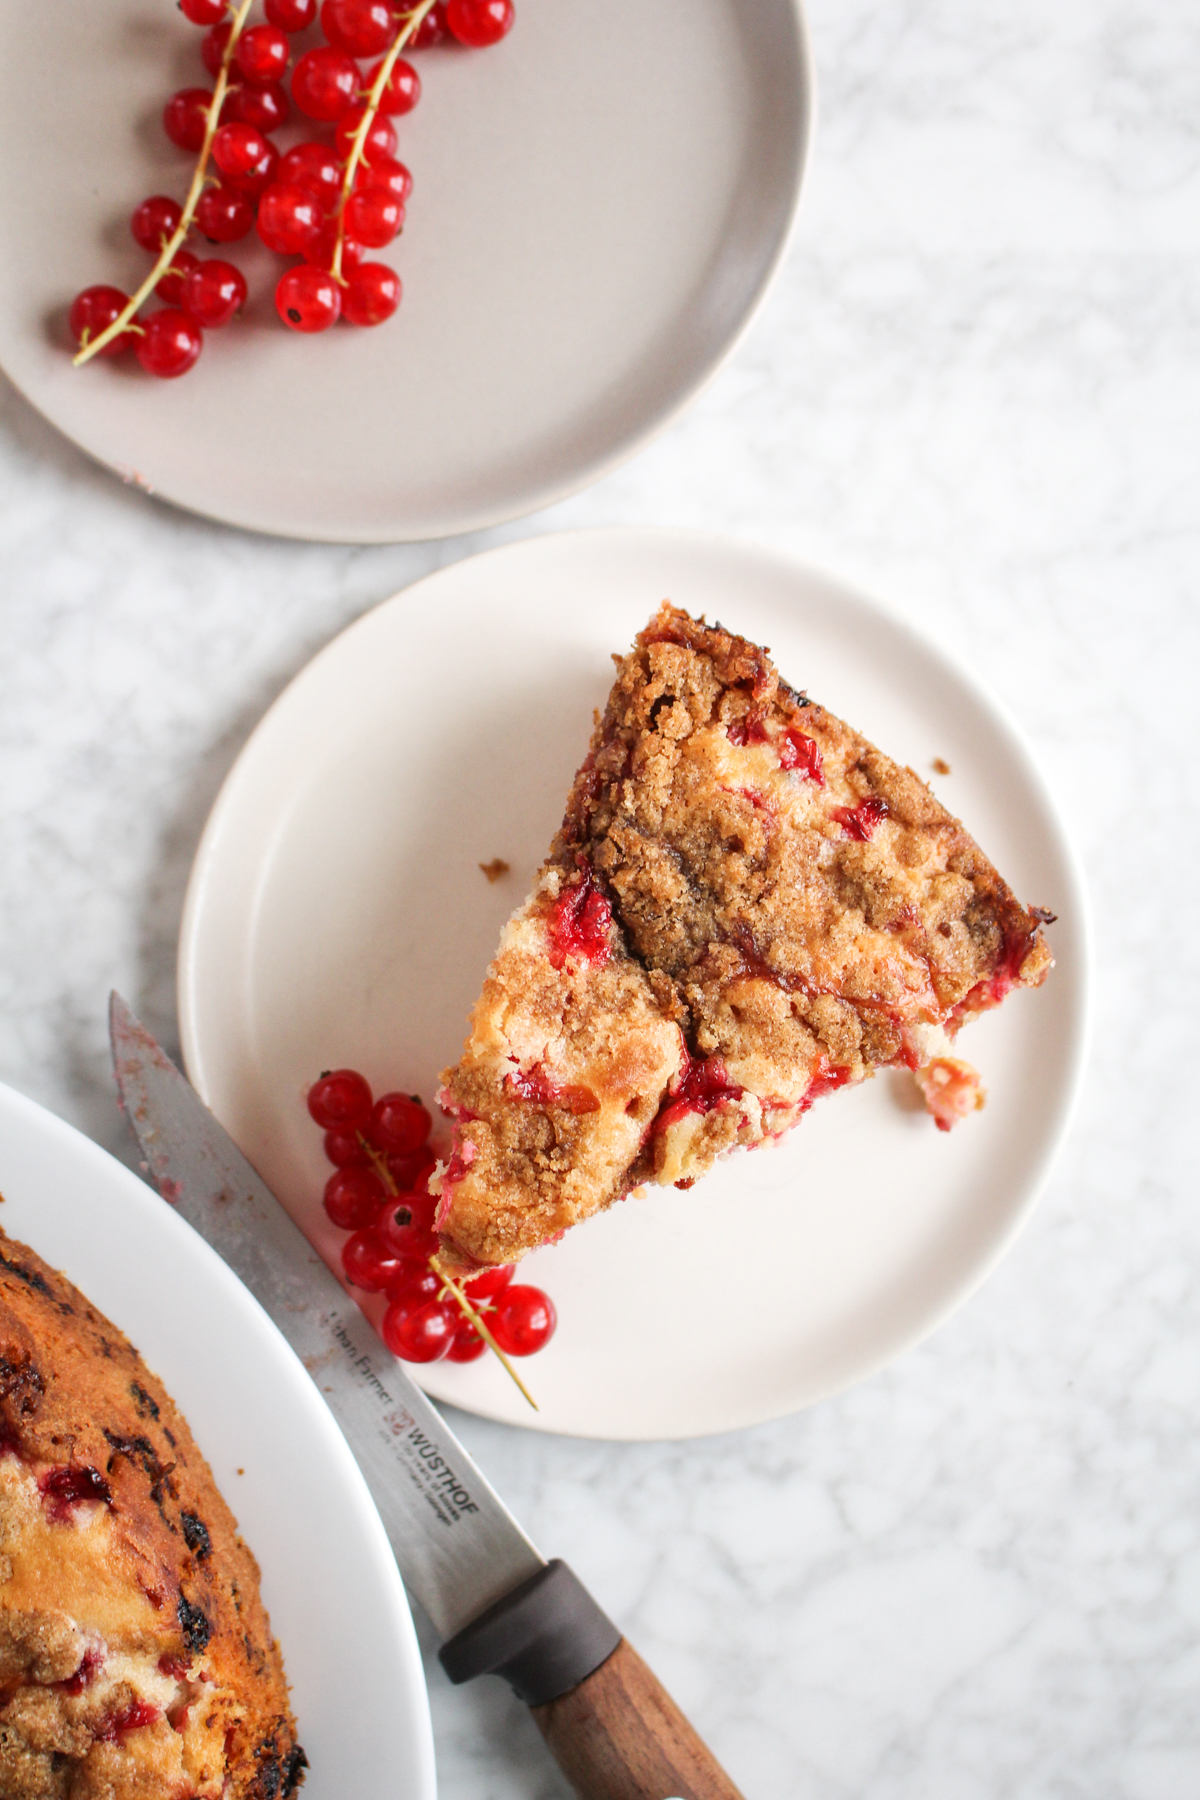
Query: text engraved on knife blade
[(420, 1457)]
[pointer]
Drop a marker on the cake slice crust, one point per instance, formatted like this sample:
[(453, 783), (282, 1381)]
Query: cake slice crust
[(747, 905)]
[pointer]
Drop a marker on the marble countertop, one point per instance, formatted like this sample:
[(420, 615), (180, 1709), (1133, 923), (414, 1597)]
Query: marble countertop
[(976, 390)]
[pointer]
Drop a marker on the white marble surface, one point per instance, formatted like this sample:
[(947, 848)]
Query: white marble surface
[(977, 389)]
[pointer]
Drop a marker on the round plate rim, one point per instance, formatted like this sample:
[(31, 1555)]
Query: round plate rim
[(949, 665), (587, 473)]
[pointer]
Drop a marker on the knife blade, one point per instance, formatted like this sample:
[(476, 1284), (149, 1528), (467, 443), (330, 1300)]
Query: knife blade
[(458, 1546), (501, 1606)]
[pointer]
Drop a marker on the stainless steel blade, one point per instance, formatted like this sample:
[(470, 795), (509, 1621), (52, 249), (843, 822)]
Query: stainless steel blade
[(458, 1546)]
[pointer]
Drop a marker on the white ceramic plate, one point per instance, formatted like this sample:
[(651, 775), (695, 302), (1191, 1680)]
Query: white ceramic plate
[(337, 915), (600, 202), (329, 1579)]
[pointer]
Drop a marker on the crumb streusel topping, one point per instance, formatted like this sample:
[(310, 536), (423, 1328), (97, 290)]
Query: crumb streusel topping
[(747, 906)]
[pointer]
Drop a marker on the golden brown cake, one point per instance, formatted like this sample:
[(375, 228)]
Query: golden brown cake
[(136, 1657), (747, 906)]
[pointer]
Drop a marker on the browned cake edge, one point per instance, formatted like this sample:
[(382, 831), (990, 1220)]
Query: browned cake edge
[(122, 1485)]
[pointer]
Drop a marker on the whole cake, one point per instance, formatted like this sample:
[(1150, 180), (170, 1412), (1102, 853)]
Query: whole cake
[(136, 1657), (747, 906)]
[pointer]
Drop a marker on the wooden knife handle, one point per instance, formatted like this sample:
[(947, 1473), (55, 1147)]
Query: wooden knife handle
[(614, 1731), (620, 1736)]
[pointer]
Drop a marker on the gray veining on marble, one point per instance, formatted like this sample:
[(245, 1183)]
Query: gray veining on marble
[(976, 389)]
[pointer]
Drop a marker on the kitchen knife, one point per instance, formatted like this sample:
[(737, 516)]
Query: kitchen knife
[(500, 1606)]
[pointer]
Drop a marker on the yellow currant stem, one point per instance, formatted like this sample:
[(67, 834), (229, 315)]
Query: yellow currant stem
[(477, 1320), (379, 1163), (167, 253), (360, 137)]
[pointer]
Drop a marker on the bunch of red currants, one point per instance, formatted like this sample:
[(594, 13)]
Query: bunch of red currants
[(328, 202), (379, 1193)]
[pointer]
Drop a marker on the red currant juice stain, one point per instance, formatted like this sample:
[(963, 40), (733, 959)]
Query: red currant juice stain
[(580, 922), (72, 1485), (859, 822)]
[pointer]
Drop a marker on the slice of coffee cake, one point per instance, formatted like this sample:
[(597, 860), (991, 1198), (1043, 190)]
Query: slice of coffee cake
[(747, 906)]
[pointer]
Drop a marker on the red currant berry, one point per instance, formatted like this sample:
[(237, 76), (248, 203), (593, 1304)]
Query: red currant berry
[(402, 89), (353, 1198), (372, 295), (262, 55), (416, 1283), (359, 27), (344, 1149), (238, 149), (489, 1282), (155, 220), (213, 292), (385, 172), (479, 22), (289, 217), (203, 12), (398, 1122), (308, 299), (171, 285), (380, 139), (431, 30), (291, 15), (411, 1173), (466, 1344), (374, 217), (421, 1208), (223, 216), (266, 108), (368, 1262), (92, 312), (320, 252), (313, 166), (325, 83), (185, 117), (421, 1334), (340, 1100), (260, 177), (405, 1214), (212, 47), (408, 1241), (524, 1319), (169, 344)]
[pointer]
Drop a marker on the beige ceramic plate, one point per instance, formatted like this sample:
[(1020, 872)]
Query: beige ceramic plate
[(337, 915), (600, 202)]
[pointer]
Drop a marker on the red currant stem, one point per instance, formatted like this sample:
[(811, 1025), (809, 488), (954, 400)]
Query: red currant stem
[(379, 1163), (389, 62), (167, 253), (477, 1320), (85, 336)]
